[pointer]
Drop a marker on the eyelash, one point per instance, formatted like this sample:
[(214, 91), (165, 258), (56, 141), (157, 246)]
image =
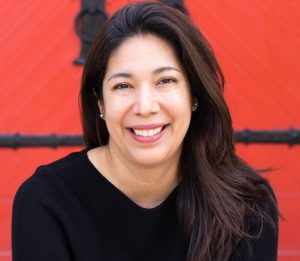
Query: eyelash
[(170, 80), (121, 86)]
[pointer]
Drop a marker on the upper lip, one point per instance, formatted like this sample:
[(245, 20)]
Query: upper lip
[(147, 126)]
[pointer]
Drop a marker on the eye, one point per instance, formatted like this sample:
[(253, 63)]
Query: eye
[(167, 80), (121, 86)]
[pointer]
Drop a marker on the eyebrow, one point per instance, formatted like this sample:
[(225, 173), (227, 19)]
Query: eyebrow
[(156, 71)]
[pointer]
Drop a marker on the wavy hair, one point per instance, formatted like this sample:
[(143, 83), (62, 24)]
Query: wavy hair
[(218, 191)]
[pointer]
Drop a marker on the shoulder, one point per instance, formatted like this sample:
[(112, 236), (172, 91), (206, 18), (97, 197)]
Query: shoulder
[(49, 222), (68, 163), (270, 190), (262, 229), (265, 211), (52, 178), (269, 204)]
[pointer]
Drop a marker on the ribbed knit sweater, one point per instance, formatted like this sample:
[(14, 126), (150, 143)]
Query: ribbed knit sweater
[(68, 210)]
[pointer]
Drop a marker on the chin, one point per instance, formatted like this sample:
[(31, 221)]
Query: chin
[(148, 161), (151, 159)]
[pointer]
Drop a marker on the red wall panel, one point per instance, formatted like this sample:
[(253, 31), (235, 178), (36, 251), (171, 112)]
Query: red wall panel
[(257, 44)]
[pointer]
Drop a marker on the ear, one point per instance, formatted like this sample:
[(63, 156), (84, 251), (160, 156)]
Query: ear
[(195, 104), (100, 106)]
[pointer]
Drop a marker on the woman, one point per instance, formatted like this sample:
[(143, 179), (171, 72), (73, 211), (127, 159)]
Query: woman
[(159, 179)]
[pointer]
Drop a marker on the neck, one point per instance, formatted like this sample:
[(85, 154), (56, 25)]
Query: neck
[(147, 186)]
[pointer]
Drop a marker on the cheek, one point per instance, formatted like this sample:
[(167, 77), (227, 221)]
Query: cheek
[(179, 103), (115, 110)]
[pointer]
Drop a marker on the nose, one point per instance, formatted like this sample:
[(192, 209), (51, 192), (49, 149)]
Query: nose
[(146, 102)]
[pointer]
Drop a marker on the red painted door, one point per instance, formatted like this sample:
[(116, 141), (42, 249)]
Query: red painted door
[(257, 44)]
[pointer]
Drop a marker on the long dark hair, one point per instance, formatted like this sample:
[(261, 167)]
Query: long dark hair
[(218, 191)]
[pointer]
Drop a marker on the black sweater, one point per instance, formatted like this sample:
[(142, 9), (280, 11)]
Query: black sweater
[(68, 211)]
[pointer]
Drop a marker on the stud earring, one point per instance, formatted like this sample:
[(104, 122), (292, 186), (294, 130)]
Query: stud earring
[(101, 115), (195, 105)]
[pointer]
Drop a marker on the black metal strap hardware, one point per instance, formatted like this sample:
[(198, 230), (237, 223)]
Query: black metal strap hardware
[(92, 16), (290, 137), (87, 23), (178, 4), (53, 140)]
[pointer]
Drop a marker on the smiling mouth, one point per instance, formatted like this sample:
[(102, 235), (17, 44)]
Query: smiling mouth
[(147, 132)]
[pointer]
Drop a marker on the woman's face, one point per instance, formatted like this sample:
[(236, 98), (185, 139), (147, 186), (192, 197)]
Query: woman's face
[(146, 101)]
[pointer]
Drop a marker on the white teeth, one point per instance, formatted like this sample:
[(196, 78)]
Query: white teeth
[(147, 133)]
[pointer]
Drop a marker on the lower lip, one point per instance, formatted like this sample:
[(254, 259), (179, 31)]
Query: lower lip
[(149, 139)]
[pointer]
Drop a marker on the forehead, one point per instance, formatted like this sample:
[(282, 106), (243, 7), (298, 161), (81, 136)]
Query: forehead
[(142, 52)]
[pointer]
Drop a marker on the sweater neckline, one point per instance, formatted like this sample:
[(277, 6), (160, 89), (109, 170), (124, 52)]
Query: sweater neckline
[(117, 193)]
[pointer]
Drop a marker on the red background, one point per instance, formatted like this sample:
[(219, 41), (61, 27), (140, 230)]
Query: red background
[(256, 42)]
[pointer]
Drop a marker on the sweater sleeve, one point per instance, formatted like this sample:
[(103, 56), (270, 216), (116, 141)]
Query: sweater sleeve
[(36, 231), (265, 247)]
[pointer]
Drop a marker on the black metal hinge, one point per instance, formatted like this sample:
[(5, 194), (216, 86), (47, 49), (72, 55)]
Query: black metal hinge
[(87, 23), (178, 4), (92, 16), (290, 137)]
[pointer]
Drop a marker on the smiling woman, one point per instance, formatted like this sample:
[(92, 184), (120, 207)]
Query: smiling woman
[(159, 179), (146, 104)]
